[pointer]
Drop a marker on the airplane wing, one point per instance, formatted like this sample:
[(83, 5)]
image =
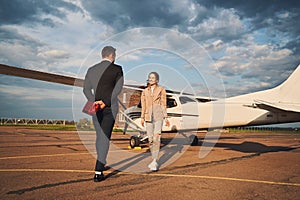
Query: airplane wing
[(78, 82), (49, 77), (277, 107), (38, 75)]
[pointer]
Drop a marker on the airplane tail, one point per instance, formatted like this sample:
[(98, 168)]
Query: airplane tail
[(288, 91), (284, 97)]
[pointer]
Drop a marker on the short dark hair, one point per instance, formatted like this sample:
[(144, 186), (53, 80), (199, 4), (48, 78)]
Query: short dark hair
[(107, 50)]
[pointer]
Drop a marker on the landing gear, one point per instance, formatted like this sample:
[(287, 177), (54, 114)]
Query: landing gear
[(134, 141), (194, 140)]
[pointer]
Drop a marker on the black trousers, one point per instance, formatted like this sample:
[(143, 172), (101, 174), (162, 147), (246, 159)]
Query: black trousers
[(103, 123)]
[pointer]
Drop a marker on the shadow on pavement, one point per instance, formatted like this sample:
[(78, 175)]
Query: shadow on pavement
[(251, 147), (22, 191)]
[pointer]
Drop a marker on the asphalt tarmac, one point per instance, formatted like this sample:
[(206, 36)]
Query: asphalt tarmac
[(40, 164)]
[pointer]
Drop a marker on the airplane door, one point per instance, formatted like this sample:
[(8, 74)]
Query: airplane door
[(189, 112), (173, 110)]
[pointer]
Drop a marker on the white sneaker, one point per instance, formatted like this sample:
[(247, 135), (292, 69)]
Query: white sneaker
[(153, 166)]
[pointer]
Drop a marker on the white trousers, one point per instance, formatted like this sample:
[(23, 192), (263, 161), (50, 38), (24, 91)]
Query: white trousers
[(154, 134)]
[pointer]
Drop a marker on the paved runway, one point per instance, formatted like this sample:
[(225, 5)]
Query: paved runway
[(39, 164)]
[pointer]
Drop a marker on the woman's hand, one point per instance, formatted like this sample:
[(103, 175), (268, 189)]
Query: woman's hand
[(142, 122), (167, 122)]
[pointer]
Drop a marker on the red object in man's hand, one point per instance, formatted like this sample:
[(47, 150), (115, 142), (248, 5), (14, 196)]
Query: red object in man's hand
[(96, 107), (91, 108)]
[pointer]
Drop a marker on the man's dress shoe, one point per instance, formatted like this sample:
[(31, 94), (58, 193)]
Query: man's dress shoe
[(98, 177)]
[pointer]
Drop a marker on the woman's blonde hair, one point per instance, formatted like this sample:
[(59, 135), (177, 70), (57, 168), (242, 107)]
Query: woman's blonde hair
[(156, 77), (155, 74)]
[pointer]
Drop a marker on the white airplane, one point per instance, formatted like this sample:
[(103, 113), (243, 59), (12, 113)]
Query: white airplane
[(191, 113)]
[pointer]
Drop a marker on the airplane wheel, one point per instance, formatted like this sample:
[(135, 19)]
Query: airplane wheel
[(174, 129), (195, 140), (134, 141)]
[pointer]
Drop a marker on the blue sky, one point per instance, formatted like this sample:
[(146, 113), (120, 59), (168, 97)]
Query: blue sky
[(248, 45)]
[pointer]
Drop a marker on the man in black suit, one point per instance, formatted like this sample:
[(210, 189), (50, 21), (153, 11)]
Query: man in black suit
[(102, 85)]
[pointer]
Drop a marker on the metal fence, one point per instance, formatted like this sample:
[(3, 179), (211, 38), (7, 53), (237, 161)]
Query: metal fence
[(26, 121)]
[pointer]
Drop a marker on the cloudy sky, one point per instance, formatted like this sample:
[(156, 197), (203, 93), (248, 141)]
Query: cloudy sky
[(249, 45)]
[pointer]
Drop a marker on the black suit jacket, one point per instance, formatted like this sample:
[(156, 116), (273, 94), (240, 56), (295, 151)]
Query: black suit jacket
[(104, 81)]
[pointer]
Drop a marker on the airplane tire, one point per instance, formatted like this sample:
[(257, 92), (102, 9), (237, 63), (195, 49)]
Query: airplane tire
[(195, 140), (174, 129), (134, 141)]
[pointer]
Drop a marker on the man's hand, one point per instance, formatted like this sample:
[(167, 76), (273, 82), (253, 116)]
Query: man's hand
[(101, 104)]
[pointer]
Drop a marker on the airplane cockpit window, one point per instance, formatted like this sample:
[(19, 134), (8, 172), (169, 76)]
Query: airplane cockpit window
[(184, 100), (171, 103)]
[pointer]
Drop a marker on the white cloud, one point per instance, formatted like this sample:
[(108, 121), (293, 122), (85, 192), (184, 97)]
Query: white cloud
[(214, 46), (132, 82), (54, 54), (248, 55), (66, 45), (41, 94), (226, 23), (129, 57), (17, 54)]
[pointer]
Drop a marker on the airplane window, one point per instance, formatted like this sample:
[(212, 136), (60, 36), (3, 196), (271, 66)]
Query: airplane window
[(139, 105), (184, 100), (171, 103), (204, 100)]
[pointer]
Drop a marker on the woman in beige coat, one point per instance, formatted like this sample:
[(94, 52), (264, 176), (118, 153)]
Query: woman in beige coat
[(154, 112)]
